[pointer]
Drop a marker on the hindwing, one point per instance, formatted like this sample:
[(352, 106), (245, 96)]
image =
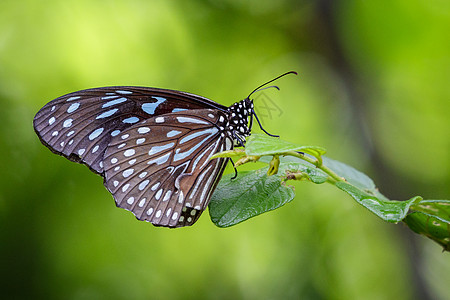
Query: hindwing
[(160, 168)]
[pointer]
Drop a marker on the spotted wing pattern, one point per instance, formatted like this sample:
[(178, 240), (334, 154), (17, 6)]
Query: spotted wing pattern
[(80, 125), (152, 146), (160, 168)]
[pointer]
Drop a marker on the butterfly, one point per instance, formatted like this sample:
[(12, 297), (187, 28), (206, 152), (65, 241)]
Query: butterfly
[(151, 146)]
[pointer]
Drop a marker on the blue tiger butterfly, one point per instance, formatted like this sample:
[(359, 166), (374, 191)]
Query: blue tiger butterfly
[(151, 146)]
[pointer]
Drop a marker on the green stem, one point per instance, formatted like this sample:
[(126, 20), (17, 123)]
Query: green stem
[(318, 164)]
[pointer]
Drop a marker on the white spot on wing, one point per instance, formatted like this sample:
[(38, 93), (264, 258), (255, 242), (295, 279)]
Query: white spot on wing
[(109, 97), (129, 152), (143, 184), (113, 102), (95, 133), (160, 160), (181, 197), (143, 130), (158, 194), (73, 107), (191, 120), (127, 172), (197, 134), (159, 119), (51, 120), (107, 114), (142, 202), (67, 123), (155, 186), (125, 187), (73, 98), (167, 195), (157, 149), (173, 133), (122, 92)]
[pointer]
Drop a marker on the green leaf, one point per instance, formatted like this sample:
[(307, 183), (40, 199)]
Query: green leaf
[(250, 194), (389, 210), (229, 153), (253, 193), (293, 164), (351, 175), (259, 145), (431, 218)]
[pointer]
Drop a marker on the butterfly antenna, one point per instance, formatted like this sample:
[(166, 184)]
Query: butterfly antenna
[(276, 78), (265, 88), (260, 88)]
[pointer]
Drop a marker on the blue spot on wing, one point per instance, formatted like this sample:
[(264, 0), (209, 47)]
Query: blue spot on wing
[(131, 120), (151, 107), (178, 109)]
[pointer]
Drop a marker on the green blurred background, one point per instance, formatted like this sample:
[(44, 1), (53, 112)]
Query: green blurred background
[(373, 89)]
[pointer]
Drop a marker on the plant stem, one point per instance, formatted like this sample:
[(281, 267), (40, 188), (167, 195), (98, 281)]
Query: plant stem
[(316, 162)]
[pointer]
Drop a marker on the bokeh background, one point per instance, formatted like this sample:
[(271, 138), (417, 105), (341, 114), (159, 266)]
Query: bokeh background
[(373, 89)]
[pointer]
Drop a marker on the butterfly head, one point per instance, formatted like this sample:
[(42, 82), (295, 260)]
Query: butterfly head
[(238, 119), (240, 112)]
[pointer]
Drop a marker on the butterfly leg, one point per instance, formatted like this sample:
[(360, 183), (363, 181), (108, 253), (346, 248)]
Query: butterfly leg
[(235, 170), (260, 126), (239, 139)]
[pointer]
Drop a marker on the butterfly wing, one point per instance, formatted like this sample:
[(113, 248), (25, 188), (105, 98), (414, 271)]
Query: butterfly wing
[(80, 125), (160, 168)]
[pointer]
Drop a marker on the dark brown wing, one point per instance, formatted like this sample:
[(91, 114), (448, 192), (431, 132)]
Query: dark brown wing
[(80, 125), (160, 168)]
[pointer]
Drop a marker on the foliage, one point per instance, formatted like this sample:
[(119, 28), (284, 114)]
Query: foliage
[(253, 193), (374, 69)]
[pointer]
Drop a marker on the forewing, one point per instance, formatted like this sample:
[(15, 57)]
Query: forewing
[(80, 125), (160, 168)]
